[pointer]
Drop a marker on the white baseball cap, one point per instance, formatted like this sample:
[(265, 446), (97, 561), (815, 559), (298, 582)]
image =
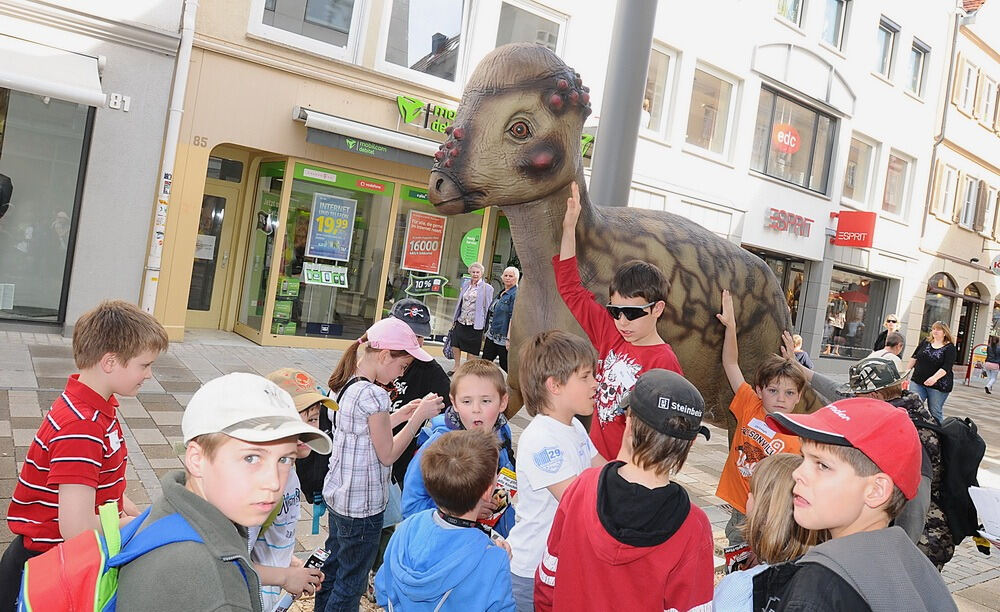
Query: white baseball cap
[(251, 408)]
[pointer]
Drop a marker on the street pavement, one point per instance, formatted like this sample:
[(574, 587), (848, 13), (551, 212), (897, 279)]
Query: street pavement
[(34, 368)]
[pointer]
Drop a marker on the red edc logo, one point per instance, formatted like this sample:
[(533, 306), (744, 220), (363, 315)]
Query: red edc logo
[(786, 138)]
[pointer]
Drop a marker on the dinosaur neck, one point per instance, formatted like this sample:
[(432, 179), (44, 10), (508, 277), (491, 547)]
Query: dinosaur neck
[(536, 227)]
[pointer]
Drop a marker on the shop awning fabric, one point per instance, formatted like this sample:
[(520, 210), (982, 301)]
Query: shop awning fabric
[(47, 71), (354, 129)]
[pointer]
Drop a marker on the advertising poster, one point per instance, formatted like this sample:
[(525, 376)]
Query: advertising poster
[(424, 242), (332, 227)]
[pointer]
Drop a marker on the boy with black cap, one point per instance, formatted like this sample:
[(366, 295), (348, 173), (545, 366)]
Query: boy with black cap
[(626, 537), (861, 462)]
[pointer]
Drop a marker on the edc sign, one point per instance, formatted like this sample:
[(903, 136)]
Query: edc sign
[(786, 138)]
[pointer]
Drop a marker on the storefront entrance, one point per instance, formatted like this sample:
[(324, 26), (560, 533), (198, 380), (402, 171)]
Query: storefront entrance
[(791, 275)]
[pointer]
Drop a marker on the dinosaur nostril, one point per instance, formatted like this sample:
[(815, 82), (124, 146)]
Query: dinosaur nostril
[(439, 184)]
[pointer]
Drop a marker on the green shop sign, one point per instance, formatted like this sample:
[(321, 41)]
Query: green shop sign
[(469, 249), (435, 117), (417, 195), (426, 285), (337, 178)]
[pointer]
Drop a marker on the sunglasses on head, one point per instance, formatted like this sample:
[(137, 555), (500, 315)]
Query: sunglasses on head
[(631, 312)]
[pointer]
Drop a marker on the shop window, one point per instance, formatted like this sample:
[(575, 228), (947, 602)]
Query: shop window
[(919, 53), (853, 314), (835, 22), (791, 10), (970, 195), (792, 142), (944, 197), (885, 46), (425, 38), (331, 263), (42, 143), (967, 86), (860, 159), (711, 110), (939, 301), (431, 254), (655, 96), (995, 322), (325, 27), (896, 183), (526, 23)]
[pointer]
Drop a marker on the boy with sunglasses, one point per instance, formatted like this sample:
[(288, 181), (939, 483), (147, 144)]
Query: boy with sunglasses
[(623, 332)]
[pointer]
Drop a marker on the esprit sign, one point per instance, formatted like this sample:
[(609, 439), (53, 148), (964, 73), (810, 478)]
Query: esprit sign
[(786, 138), (855, 228), (995, 265), (784, 221)]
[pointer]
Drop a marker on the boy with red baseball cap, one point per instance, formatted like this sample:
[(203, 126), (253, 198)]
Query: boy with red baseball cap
[(861, 462)]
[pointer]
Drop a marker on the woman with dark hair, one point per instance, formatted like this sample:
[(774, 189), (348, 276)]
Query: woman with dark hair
[(992, 364), (931, 363), (470, 314)]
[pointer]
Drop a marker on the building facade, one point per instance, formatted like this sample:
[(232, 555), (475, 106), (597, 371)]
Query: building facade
[(959, 237), (82, 114)]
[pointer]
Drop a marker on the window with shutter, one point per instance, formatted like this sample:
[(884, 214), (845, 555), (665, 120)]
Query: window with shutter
[(981, 206), (956, 90)]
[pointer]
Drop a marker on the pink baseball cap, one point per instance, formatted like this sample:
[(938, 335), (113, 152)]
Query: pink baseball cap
[(883, 432), (395, 335)]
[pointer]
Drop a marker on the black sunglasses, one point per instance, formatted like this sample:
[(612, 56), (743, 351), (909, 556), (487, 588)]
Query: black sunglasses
[(631, 312), (891, 321)]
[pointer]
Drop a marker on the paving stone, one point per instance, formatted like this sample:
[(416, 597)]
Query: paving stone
[(5, 429), (167, 418), (170, 462), (173, 386), (50, 350), (56, 383), (148, 436), (24, 404), (159, 451), (23, 437), (7, 486), (130, 407)]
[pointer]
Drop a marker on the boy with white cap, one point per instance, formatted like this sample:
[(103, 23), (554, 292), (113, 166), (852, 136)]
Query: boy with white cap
[(241, 433)]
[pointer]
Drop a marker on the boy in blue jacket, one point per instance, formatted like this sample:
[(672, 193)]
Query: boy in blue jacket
[(442, 559), (478, 400)]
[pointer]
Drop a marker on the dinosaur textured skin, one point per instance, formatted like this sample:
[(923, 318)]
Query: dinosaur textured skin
[(516, 144)]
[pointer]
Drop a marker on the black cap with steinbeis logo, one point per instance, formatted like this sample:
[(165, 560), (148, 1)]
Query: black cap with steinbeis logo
[(659, 395)]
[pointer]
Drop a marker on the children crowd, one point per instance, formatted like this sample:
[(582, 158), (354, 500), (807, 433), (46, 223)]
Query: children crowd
[(423, 486)]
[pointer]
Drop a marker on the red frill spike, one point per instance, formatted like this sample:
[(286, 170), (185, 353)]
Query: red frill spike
[(454, 152), (448, 129), (439, 155), (458, 133), (574, 97), (556, 101), (447, 163)]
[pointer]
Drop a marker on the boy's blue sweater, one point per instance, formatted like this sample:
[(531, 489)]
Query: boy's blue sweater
[(427, 561), (415, 496)]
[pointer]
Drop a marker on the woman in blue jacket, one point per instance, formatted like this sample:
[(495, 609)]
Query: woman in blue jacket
[(499, 319)]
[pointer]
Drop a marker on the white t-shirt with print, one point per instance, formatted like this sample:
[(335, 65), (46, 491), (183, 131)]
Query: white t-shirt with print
[(547, 452), (276, 545)]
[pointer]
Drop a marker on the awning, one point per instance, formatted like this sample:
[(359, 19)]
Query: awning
[(354, 129), (47, 71)]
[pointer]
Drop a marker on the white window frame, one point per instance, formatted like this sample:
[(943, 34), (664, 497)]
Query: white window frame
[(542, 11), (944, 202), (734, 102), (967, 97), (892, 28), (402, 72), (991, 211), (256, 28), (986, 106), (660, 133), (911, 164), (969, 208), (841, 27), (925, 52), (872, 165), (802, 12)]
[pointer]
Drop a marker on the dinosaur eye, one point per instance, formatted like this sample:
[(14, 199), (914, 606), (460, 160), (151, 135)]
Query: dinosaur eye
[(519, 130)]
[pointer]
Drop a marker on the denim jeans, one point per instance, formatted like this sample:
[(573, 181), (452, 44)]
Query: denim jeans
[(524, 593), (991, 378), (353, 544), (934, 398)]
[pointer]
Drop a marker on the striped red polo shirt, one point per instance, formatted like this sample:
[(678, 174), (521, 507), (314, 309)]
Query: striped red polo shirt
[(79, 442)]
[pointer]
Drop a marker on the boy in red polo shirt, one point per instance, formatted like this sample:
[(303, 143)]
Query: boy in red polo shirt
[(77, 460)]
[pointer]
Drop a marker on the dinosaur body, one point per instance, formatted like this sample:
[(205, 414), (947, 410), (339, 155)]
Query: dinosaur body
[(515, 144)]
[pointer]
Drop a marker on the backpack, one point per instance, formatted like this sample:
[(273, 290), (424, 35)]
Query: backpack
[(962, 450), (82, 572), (312, 470)]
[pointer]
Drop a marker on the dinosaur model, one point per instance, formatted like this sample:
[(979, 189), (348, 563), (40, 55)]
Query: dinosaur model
[(515, 143)]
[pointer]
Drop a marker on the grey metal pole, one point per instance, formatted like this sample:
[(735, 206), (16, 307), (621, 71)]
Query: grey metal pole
[(618, 129)]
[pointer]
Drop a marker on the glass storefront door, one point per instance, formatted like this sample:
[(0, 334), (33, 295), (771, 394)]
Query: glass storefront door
[(213, 250), (265, 222), (430, 256)]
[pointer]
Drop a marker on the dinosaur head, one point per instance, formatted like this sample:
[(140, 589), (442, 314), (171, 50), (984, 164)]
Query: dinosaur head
[(516, 135)]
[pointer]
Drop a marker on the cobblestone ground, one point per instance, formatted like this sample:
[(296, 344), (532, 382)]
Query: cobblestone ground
[(34, 367)]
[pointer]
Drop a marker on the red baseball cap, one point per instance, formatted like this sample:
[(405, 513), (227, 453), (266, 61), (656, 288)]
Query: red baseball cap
[(883, 432)]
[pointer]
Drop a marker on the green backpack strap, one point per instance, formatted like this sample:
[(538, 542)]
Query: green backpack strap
[(270, 519), (109, 526)]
